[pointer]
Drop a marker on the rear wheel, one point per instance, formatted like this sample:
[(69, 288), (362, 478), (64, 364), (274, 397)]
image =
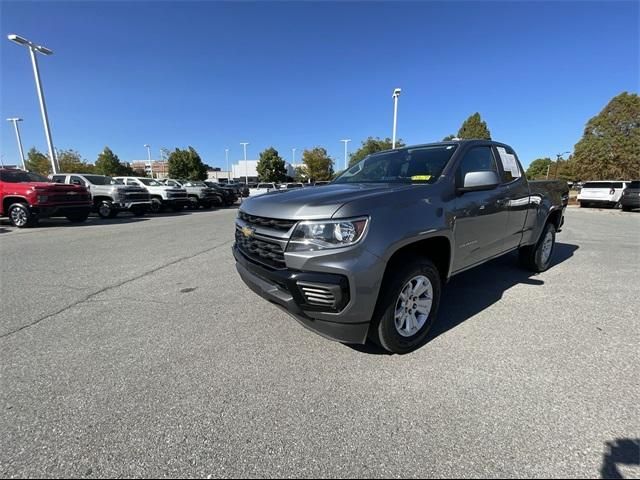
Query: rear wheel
[(408, 305), (20, 216), (626, 209), (79, 217), (537, 258)]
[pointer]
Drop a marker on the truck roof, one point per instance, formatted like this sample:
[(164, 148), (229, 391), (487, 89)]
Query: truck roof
[(454, 142)]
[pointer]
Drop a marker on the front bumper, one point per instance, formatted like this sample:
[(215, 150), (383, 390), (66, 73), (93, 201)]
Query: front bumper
[(348, 323), (46, 211), (146, 204)]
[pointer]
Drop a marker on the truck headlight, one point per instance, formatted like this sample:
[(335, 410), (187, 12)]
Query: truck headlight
[(327, 234)]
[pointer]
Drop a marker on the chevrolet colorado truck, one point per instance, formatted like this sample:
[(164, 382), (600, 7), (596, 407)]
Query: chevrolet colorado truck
[(367, 255), (26, 197), (109, 197), (161, 195)]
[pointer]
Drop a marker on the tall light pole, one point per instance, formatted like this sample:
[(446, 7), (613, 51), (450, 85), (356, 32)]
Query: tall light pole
[(149, 157), (33, 48), (293, 156), (226, 156), (396, 94), (346, 140), (246, 178), (15, 121)]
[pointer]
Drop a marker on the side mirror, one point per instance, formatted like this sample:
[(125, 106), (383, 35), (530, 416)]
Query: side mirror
[(478, 181)]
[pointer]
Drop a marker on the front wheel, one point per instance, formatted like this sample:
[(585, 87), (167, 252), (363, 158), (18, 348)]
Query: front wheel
[(106, 210), (156, 205), (537, 258), (626, 209), (20, 216), (408, 306)]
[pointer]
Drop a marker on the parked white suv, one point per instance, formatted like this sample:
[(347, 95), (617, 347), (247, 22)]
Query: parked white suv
[(161, 194), (263, 188), (605, 193)]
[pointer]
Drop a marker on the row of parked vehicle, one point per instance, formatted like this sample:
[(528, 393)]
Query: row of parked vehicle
[(616, 194), (260, 188), (25, 197)]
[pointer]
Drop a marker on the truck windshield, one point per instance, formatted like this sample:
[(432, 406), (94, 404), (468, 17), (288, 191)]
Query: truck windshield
[(100, 180), (408, 165), (18, 176), (150, 182)]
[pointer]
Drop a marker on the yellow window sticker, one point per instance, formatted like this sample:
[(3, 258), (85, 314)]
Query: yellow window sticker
[(421, 177)]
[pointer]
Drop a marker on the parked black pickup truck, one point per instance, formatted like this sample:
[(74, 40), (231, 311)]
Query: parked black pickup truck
[(366, 256)]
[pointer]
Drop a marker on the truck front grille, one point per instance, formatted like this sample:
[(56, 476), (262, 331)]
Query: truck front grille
[(177, 194), (274, 223), (131, 197), (259, 250)]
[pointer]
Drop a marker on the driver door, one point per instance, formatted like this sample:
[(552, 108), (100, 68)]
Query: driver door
[(480, 218)]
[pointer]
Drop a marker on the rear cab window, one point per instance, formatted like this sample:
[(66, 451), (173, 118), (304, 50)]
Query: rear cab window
[(59, 178)]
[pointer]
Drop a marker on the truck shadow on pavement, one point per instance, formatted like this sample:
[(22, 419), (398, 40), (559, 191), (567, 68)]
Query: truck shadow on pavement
[(622, 451), (469, 293)]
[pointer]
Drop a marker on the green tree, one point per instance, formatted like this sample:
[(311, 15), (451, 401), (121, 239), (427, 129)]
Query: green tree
[(186, 164), (538, 168), (474, 127), (610, 146), (271, 167), (38, 162), (372, 145), (300, 174), (317, 164), (108, 163), (71, 161)]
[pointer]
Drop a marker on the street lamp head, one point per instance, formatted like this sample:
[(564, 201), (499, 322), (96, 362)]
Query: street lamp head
[(23, 41), (18, 39), (147, 145), (43, 50), (14, 119), (396, 92)]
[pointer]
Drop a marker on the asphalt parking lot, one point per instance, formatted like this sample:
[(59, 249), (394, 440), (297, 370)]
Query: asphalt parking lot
[(131, 348)]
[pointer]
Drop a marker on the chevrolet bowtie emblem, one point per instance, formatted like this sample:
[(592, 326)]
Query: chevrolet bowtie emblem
[(248, 231)]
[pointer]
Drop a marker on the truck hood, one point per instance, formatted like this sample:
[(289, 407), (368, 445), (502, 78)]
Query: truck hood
[(56, 187), (315, 202)]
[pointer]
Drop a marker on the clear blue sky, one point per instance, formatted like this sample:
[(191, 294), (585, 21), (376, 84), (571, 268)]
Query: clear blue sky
[(303, 74)]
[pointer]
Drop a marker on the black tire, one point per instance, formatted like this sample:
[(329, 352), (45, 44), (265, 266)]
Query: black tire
[(383, 330), (583, 204), (105, 209), (194, 203), (532, 257), (79, 217), (20, 216), (206, 205), (156, 205), (626, 209)]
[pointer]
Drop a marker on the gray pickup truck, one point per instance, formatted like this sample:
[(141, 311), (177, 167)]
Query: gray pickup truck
[(109, 197), (366, 256)]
